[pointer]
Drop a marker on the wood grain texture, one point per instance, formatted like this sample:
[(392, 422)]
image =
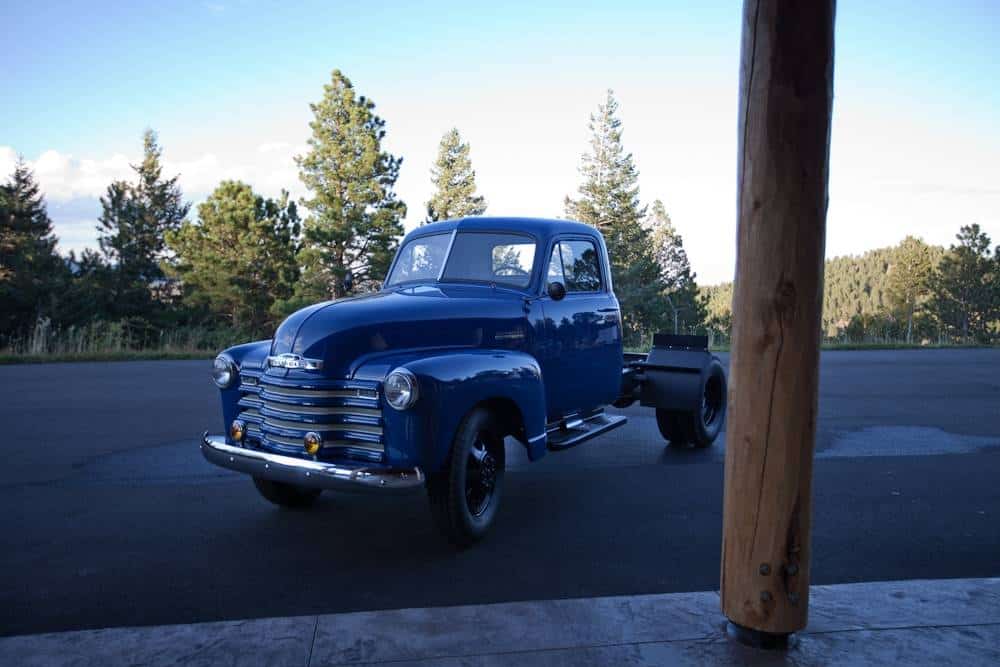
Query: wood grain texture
[(786, 96)]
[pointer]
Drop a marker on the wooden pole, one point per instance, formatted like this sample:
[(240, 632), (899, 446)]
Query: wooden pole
[(786, 95)]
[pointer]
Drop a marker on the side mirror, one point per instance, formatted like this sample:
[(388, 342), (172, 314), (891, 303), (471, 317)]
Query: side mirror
[(348, 281), (556, 290)]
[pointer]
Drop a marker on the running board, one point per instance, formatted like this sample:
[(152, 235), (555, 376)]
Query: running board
[(576, 431)]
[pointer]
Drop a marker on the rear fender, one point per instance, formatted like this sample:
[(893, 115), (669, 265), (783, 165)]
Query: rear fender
[(674, 373)]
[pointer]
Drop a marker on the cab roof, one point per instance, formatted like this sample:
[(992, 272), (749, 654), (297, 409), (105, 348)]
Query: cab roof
[(541, 228)]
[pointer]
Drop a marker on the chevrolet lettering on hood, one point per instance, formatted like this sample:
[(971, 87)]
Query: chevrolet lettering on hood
[(484, 329), (292, 361)]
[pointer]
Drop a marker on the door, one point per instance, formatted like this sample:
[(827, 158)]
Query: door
[(581, 357)]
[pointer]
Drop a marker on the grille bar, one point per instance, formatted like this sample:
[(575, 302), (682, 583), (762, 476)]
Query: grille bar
[(306, 426), (311, 410), (320, 393), (348, 417)]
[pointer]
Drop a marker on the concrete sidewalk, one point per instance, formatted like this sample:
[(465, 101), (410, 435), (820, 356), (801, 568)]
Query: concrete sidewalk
[(940, 622)]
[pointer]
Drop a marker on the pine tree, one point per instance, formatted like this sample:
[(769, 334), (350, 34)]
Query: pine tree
[(354, 217), (686, 309), (31, 272), (966, 294), (128, 253), (160, 202), (718, 301), (454, 182), (135, 218), (90, 294), (609, 201), (909, 279), (239, 258)]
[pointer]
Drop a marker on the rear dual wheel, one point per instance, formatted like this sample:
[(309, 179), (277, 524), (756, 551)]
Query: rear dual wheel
[(700, 428)]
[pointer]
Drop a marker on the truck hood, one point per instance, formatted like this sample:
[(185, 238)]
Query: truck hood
[(345, 332)]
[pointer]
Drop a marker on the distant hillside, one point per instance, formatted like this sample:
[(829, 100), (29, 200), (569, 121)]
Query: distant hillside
[(854, 285)]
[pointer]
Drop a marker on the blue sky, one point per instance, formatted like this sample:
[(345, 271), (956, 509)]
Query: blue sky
[(915, 147)]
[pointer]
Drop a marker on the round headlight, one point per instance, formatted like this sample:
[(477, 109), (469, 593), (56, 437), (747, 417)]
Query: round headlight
[(400, 389), (224, 371)]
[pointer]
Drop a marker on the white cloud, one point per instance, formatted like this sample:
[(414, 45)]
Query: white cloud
[(8, 158), (273, 147), (64, 176), (73, 185)]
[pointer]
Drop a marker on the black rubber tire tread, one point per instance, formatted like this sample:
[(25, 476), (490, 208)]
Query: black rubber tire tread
[(285, 495), (683, 429), (671, 427), (446, 488)]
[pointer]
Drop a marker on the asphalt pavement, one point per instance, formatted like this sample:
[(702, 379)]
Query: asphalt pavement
[(110, 517)]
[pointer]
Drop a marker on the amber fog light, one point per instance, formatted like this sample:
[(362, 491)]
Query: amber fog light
[(312, 442), (237, 430)]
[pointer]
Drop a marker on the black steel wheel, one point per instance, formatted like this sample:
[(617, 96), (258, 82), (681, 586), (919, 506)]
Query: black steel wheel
[(713, 399), (480, 477), (465, 495), (286, 495)]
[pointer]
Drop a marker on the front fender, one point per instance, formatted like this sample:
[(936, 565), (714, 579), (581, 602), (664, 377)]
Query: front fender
[(451, 383)]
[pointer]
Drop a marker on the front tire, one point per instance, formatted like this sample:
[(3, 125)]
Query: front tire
[(465, 495), (286, 495)]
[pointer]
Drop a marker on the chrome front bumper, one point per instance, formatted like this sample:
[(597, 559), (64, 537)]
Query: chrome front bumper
[(305, 472)]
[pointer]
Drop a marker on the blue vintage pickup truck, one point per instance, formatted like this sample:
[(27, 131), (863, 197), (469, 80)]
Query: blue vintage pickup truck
[(485, 329)]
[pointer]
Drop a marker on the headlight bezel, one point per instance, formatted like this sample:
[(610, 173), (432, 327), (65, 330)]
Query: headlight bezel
[(224, 364), (409, 395)]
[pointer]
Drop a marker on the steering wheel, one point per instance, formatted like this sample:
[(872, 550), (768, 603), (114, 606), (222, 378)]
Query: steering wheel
[(511, 271)]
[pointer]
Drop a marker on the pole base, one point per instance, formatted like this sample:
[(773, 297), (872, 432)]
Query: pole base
[(758, 639)]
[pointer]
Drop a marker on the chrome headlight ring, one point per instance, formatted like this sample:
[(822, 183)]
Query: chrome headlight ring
[(401, 389), (224, 371)]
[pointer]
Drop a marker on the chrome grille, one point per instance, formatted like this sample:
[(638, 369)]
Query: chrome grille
[(346, 414)]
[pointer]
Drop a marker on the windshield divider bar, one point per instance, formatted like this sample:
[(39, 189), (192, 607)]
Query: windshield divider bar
[(447, 254)]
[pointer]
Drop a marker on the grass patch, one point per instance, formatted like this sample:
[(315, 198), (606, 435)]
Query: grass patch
[(125, 340), (118, 355), (7, 357), (902, 346)]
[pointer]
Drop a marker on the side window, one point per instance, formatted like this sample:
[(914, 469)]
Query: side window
[(580, 266)]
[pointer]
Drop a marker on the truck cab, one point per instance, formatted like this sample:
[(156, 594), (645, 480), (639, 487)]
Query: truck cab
[(485, 329)]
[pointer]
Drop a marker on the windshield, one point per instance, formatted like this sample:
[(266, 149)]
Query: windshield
[(420, 259), (503, 259)]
